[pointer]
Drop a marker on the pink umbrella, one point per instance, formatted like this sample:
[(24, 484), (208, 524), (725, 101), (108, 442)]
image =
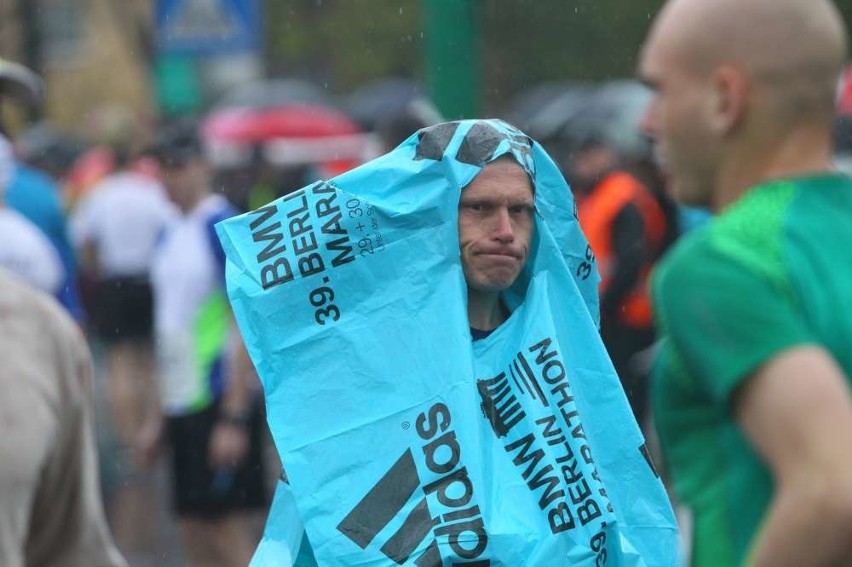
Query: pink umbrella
[(255, 125)]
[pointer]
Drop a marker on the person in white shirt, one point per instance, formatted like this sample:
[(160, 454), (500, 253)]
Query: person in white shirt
[(115, 230), (212, 419)]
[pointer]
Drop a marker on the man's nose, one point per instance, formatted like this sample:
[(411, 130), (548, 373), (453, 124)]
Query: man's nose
[(503, 229)]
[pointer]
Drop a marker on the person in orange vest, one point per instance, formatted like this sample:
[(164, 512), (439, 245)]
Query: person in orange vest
[(628, 225)]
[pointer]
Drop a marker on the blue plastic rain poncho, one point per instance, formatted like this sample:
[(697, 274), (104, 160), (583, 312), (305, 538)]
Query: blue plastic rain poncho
[(405, 442)]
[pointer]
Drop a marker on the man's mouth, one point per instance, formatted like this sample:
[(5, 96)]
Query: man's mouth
[(498, 255)]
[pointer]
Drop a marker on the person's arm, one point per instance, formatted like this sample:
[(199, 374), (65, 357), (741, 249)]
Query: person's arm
[(629, 252), (797, 412), (229, 442)]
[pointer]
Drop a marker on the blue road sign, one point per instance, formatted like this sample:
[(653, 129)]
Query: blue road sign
[(207, 27)]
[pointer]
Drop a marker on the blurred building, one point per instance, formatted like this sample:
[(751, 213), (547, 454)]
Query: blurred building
[(90, 53)]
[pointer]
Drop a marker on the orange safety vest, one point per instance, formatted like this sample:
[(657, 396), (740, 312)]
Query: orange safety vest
[(597, 211)]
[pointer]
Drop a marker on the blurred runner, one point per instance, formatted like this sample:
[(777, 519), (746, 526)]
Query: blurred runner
[(33, 194), (752, 400), (115, 229), (50, 504), (24, 249), (214, 421), (37, 197)]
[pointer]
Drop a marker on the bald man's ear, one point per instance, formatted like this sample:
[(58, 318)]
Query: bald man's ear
[(730, 91)]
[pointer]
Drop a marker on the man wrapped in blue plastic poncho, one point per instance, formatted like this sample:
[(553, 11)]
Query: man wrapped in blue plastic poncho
[(425, 328)]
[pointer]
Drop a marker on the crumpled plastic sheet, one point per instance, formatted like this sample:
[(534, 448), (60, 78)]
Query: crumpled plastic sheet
[(406, 443)]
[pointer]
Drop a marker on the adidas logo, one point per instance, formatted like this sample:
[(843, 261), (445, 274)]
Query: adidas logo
[(500, 405), (461, 525)]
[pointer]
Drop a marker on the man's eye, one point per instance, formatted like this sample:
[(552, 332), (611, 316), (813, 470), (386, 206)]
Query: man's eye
[(524, 210), (475, 207)]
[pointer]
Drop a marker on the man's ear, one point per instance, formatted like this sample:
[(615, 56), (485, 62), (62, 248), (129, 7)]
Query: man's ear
[(730, 96)]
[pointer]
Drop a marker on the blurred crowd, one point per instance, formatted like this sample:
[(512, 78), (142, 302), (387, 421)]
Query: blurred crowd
[(116, 224), (104, 223)]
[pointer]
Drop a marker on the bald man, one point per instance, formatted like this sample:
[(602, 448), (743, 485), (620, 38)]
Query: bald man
[(752, 396)]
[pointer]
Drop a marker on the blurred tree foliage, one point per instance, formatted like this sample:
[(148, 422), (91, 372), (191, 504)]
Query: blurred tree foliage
[(344, 43), (528, 41)]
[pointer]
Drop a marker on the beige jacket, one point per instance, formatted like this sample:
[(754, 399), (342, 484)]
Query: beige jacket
[(50, 507)]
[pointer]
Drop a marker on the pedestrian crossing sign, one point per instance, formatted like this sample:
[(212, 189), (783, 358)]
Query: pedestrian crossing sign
[(205, 27)]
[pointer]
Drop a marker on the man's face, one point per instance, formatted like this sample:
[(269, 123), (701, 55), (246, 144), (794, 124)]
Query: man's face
[(677, 120), (181, 180), (588, 165), (496, 219)]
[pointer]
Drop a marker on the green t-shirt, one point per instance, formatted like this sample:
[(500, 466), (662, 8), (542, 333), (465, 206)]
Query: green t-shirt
[(774, 271)]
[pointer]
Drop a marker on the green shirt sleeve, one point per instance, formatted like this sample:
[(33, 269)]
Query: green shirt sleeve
[(723, 318)]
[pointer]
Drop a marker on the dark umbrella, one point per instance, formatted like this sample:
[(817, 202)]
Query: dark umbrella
[(529, 110), (610, 114), (372, 102)]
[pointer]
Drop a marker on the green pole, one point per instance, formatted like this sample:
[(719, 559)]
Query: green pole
[(453, 56)]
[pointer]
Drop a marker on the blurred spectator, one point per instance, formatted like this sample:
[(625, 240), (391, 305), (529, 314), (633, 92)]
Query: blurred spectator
[(24, 249), (37, 197), (47, 149), (269, 182), (88, 168), (50, 505), (628, 228), (115, 228), (111, 127), (213, 420)]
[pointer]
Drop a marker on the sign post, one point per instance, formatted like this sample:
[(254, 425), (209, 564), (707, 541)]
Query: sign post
[(188, 31), (207, 27)]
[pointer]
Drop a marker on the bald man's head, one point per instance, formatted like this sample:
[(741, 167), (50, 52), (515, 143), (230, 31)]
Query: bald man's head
[(733, 74), (795, 48)]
